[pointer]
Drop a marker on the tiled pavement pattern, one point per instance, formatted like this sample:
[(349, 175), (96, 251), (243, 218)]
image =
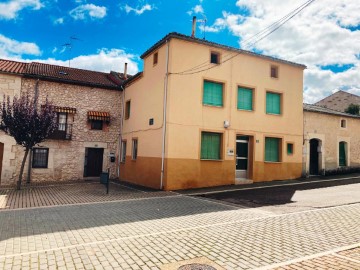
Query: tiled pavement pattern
[(36, 196), (331, 261), (147, 233)]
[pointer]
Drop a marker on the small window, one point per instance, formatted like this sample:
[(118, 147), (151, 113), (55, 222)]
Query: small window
[(97, 124), (123, 151), (62, 120), (127, 109), (211, 145), (343, 123), (273, 103), (155, 58), (272, 149), (213, 94), (290, 148), (274, 72), (342, 154), (245, 99), (40, 157), (134, 149), (215, 58)]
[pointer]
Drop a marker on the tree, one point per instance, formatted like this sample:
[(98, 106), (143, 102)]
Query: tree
[(29, 126), (353, 109)]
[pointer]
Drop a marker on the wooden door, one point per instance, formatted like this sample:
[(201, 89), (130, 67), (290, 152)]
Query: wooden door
[(93, 161)]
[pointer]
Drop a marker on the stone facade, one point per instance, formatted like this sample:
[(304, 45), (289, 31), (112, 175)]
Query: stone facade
[(10, 85), (328, 131), (66, 158), (339, 101)]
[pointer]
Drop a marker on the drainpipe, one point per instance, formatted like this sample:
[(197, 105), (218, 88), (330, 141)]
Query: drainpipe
[(122, 119), (164, 116)]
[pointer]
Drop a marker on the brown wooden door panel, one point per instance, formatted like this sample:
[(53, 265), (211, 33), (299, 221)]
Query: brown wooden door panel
[(94, 161)]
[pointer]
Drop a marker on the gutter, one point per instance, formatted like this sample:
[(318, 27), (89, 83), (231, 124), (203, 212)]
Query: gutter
[(164, 116)]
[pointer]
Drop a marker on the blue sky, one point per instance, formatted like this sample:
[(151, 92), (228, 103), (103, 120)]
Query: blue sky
[(325, 36)]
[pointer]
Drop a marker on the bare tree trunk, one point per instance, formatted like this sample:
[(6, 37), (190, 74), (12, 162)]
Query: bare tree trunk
[(22, 169)]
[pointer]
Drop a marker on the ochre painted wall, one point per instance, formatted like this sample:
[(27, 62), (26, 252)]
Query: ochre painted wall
[(187, 117)]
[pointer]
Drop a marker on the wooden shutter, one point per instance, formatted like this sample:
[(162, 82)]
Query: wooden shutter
[(213, 94), (272, 149), (245, 99), (273, 103), (210, 145)]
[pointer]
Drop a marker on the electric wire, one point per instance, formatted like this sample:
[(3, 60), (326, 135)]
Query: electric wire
[(261, 35)]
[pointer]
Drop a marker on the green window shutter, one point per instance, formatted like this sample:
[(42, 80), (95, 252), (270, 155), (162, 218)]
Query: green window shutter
[(273, 103), (272, 147), (245, 99), (342, 154), (290, 148), (210, 145), (213, 94)]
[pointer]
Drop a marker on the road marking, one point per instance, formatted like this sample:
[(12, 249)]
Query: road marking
[(166, 232), (313, 256), (87, 203), (263, 187)]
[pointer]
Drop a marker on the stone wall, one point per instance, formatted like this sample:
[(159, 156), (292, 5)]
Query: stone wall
[(67, 157), (327, 129), (10, 85)]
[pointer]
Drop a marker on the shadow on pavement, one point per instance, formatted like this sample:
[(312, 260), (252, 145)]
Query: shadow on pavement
[(268, 195)]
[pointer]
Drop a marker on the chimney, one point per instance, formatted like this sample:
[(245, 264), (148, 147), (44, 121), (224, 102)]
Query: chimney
[(125, 71), (193, 27)]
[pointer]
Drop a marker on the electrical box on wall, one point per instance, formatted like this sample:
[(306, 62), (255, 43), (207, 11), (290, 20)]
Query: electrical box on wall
[(112, 157), (226, 123), (230, 152)]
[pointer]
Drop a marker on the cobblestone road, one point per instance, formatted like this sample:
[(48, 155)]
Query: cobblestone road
[(152, 232)]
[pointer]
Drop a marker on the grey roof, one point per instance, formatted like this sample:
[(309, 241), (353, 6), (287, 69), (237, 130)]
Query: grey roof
[(320, 109), (339, 101), (217, 45)]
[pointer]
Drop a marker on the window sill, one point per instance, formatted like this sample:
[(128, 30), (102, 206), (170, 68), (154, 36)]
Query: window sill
[(244, 110), (276, 114), (213, 106), (202, 159), (273, 162)]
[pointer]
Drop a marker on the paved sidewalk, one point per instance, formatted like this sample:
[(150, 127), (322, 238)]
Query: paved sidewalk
[(76, 193), (151, 233)]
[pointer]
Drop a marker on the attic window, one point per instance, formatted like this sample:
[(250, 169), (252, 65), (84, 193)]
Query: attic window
[(63, 73), (215, 58), (155, 59), (274, 71)]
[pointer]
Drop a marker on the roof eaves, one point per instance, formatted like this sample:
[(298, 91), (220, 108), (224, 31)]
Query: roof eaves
[(324, 110), (54, 79), (133, 78), (217, 45)]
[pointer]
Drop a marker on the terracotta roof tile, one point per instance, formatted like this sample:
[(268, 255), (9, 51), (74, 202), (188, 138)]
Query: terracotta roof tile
[(72, 75), (94, 115), (320, 109), (10, 66)]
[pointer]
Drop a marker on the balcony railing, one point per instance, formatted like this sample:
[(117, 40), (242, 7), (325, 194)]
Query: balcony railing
[(63, 132)]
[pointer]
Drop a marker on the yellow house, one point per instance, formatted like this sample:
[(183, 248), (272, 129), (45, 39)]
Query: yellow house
[(203, 114)]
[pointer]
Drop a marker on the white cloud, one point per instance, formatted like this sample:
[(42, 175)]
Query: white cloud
[(104, 60), (13, 48), (316, 37), (138, 10), (10, 9), (196, 10), (88, 10), (59, 21)]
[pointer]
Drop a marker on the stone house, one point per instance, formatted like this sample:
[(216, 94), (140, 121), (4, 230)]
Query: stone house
[(10, 85), (88, 106), (331, 140), (204, 114), (339, 101)]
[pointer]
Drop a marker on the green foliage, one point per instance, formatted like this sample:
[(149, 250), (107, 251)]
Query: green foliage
[(353, 109)]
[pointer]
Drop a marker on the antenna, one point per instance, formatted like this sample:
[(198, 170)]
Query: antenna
[(68, 45), (203, 24)]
